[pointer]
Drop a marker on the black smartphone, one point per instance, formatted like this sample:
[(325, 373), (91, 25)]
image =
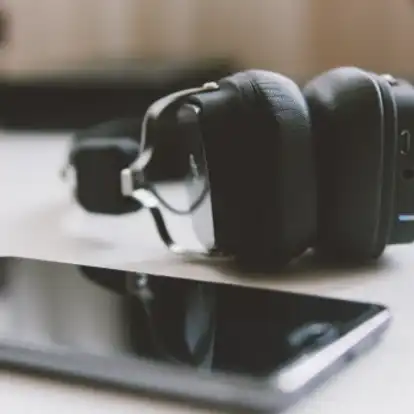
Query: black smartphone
[(218, 345)]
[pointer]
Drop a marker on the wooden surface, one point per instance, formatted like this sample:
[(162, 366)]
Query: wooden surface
[(38, 219)]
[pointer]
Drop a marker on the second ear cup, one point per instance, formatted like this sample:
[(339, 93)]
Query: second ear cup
[(354, 130), (163, 166), (276, 172)]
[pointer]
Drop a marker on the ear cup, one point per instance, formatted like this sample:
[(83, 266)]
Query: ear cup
[(98, 163), (354, 125), (275, 166), (163, 166)]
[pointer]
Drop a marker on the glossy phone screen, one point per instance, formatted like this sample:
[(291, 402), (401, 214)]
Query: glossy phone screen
[(209, 327)]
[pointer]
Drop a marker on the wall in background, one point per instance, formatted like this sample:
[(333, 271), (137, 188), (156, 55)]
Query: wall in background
[(375, 34), (297, 37), (168, 29), (304, 37), (264, 34), (51, 33)]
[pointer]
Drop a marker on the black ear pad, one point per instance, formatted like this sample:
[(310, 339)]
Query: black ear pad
[(354, 124), (272, 154), (99, 154), (98, 164)]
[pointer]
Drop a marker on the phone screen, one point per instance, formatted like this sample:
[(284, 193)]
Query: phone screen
[(212, 327)]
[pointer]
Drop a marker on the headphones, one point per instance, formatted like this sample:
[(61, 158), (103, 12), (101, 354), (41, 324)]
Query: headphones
[(273, 170)]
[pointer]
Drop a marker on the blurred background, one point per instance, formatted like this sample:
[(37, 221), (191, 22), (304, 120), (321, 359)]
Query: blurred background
[(297, 37), (68, 64)]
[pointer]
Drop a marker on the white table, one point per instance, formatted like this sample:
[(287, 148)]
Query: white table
[(38, 219)]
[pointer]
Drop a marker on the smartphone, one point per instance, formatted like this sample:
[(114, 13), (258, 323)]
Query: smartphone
[(218, 345)]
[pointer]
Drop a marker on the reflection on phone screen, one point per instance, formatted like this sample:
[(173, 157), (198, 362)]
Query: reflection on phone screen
[(213, 327)]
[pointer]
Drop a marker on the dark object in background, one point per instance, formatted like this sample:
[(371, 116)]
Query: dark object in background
[(96, 92)]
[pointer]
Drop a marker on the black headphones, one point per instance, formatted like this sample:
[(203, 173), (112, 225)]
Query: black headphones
[(274, 170)]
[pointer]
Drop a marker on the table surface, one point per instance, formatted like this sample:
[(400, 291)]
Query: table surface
[(40, 220)]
